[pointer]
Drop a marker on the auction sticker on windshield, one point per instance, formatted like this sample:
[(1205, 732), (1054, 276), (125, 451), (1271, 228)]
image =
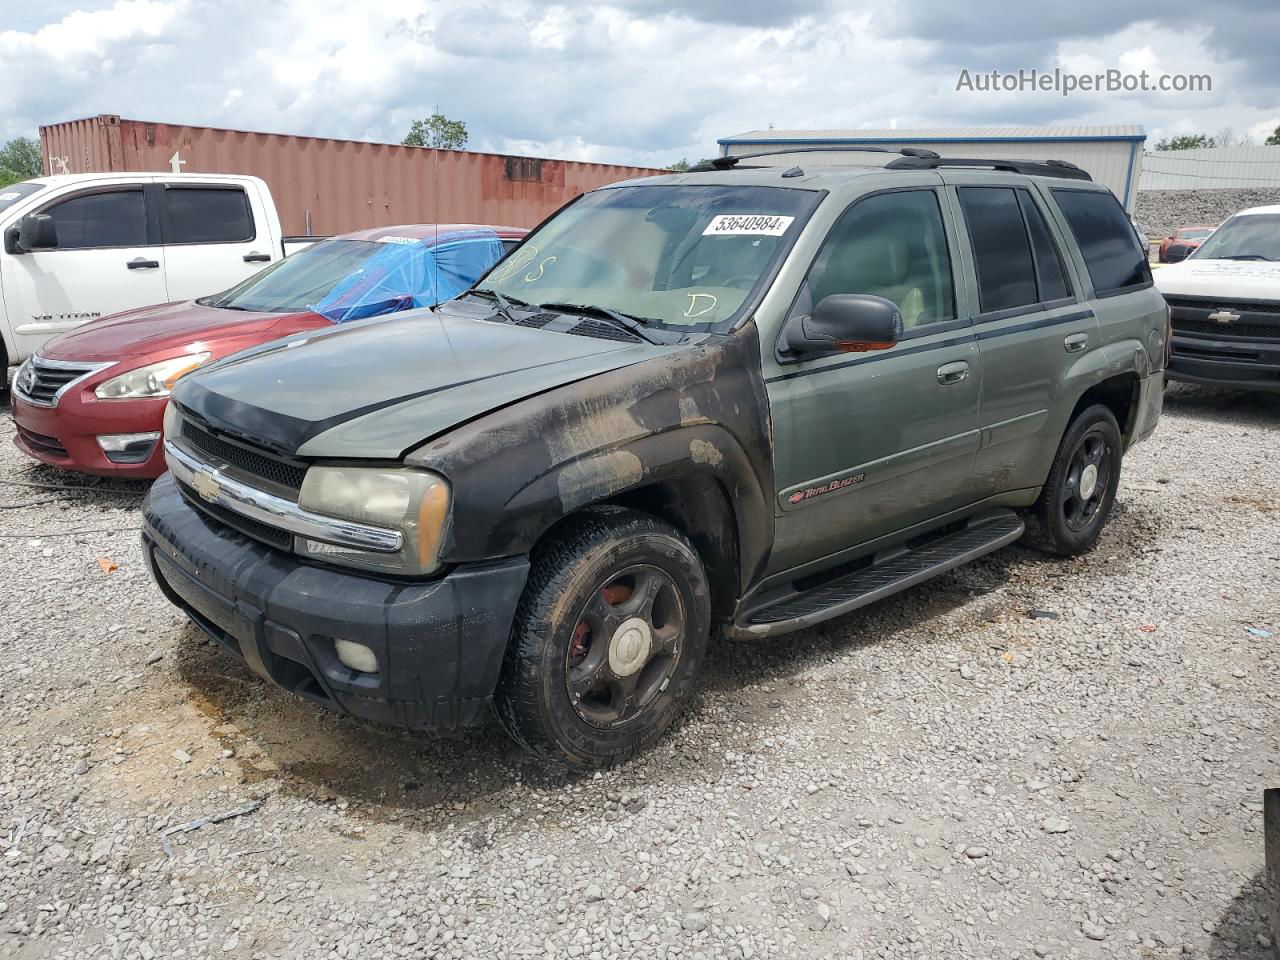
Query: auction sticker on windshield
[(747, 225)]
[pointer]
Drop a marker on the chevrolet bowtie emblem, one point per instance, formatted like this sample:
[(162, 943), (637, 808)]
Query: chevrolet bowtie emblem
[(206, 484), (1224, 316)]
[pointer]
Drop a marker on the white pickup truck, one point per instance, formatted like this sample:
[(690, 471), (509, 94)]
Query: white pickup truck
[(1225, 305), (86, 245)]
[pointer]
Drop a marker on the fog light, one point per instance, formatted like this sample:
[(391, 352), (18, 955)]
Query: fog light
[(128, 447), (121, 442), (356, 656)]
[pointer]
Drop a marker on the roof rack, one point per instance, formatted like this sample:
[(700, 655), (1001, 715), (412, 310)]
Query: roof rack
[(912, 158), (728, 163), (1031, 168)]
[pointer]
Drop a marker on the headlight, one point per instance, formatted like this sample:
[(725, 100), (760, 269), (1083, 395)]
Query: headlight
[(171, 426), (412, 501), (153, 380)]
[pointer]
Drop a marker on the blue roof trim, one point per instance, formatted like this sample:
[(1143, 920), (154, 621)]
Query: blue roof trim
[(1128, 138)]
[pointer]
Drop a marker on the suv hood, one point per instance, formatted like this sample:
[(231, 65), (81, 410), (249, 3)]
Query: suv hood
[(375, 389), (149, 329), (1250, 279)]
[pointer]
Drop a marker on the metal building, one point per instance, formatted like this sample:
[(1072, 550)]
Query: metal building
[(1111, 155), (1212, 168), (326, 186)]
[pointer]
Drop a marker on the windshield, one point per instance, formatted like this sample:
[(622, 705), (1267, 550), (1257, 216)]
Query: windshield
[(688, 256), (1253, 236), (351, 279), (1195, 233), (18, 191)]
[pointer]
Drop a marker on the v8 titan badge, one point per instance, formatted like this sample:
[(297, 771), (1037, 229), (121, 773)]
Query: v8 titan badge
[(206, 484)]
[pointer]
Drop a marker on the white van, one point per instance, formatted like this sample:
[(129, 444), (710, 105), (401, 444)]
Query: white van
[(87, 245)]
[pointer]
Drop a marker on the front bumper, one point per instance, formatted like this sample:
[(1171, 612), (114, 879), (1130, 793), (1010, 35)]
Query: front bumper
[(1246, 364), (66, 435), (439, 643)]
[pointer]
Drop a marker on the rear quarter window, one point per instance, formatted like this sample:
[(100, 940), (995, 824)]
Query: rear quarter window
[(1106, 239)]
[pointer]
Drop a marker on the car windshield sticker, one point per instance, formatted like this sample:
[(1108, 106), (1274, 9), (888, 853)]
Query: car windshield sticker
[(747, 225), (399, 240), (5, 197)]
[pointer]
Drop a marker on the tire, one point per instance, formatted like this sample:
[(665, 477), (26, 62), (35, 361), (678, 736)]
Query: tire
[(584, 683), (1063, 522)]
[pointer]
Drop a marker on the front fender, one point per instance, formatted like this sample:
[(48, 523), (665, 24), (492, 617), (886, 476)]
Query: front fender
[(517, 471)]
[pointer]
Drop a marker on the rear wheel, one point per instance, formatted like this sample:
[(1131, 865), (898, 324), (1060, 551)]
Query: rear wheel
[(1077, 498), (608, 637)]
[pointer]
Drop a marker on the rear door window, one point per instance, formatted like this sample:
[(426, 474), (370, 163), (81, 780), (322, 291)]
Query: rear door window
[(1050, 275), (207, 215), (1107, 241), (1001, 251), (115, 218)]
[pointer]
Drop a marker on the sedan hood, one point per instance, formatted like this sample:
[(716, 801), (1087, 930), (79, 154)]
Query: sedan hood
[(379, 388), (152, 329), (1247, 279)]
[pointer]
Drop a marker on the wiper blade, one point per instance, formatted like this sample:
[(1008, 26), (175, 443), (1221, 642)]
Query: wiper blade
[(1246, 256), (629, 323), (502, 298)]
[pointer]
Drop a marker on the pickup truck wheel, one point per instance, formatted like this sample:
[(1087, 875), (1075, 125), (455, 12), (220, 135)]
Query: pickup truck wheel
[(607, 639), (1076, 500)]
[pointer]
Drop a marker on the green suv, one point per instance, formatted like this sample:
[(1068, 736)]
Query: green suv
[(748, 398)]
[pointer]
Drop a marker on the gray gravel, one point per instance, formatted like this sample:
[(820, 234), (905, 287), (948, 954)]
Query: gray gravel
[(941, 775), (1160, 212)]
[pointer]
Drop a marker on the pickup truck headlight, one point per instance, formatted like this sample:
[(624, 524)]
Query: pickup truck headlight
[(399, 498), (153, 380)]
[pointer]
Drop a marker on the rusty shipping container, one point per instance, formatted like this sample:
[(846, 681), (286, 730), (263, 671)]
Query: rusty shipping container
[(332, 186)]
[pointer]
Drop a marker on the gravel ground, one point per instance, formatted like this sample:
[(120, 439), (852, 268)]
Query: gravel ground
[(940, 775)]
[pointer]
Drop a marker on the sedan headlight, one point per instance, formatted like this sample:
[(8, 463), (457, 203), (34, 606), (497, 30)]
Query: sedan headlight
[(153, 380), (398, 498)]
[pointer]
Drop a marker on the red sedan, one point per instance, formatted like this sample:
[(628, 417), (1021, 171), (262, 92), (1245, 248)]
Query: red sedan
[(1189, 237), (94, 398)]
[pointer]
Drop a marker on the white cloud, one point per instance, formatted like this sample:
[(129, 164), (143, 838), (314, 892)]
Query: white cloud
[(637, 81)]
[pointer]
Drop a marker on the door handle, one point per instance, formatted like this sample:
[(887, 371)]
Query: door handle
[(950, 373), (254, 257), (137, 263), (1076, 342)]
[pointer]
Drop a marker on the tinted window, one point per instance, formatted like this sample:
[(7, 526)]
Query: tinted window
[(1049, 272), (1006, 275), (114, 219), (205, 215), (894, 246), (1106, 239)]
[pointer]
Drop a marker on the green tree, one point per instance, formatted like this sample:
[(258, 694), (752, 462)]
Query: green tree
[(437, 131), (1274, 139), (20, 160), (680, 166), (1188, 141)]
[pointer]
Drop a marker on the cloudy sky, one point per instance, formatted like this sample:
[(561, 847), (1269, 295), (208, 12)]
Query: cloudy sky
[(639, 81)]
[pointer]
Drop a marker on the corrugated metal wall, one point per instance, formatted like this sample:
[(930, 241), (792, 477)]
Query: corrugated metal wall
[(1212, 168), (1114, 162), (337, 185)]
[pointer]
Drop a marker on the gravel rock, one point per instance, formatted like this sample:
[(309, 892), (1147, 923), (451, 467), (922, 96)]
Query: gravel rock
[(375, 842)]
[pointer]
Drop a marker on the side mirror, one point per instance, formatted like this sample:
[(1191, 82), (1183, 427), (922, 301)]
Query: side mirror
[(845, 323), (37, 231), (1177, 253)]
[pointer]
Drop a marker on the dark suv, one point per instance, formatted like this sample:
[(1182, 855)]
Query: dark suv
[(751, 397)]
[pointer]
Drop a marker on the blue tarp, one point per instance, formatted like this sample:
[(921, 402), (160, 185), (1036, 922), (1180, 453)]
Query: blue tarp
[(411, 273)]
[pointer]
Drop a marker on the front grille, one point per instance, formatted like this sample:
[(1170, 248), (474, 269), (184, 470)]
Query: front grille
[(41, 381), (272, 536), (1211, 328), (38, 442), (1235, 306), (279, 471)]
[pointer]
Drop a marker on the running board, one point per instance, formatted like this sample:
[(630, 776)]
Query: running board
[(890, 571)]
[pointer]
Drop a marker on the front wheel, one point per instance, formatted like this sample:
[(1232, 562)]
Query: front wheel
[(1077, 498), (607, 639)]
